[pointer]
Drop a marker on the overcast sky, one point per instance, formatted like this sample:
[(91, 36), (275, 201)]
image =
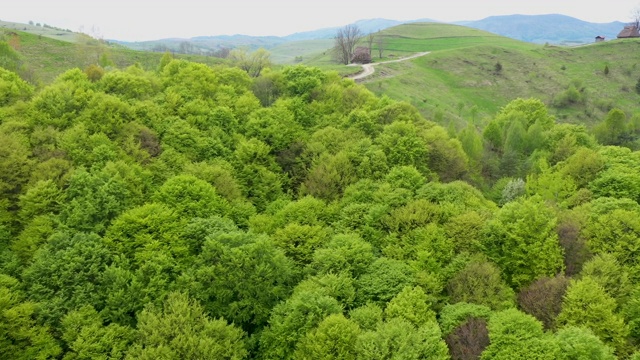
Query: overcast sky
[(146, 20)]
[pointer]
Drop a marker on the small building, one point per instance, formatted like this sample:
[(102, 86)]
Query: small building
[(599, 38), (361, 55), (629, 31)]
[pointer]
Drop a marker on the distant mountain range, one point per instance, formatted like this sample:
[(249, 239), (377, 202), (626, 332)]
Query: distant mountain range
[(552, 28)]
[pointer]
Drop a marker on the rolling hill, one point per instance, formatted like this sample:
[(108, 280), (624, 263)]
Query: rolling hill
[(461, 80), (42, 58)]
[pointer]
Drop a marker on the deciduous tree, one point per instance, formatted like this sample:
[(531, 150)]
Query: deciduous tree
[(345, 42)]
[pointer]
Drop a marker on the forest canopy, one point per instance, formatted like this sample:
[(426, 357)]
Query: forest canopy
[(191, 211)]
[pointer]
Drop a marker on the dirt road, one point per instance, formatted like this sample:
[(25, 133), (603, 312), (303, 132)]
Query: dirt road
[(368, 69)]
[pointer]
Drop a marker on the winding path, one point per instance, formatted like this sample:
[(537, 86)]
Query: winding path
[(368, 69)]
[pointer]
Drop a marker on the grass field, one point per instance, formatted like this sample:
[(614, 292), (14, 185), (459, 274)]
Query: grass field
[(459, 81), (53, 33), (44, 58)]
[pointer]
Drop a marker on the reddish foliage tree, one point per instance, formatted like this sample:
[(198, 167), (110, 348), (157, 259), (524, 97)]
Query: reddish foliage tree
[(575, 248), (468, 340), (543, 299)]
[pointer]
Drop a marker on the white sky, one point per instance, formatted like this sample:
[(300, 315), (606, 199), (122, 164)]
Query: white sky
[(147, 20)]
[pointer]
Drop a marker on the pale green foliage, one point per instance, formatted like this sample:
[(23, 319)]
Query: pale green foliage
[(580, 343), (367, 317), (616, 232), (129, 84), (411, 305), (614, 129), (299, 241), (191, 197), (88, 338), (515, 335), (586, 304), (399, 339), (631, 312), (291, 320), (339, 286), (453, 315), (143, 226), (343, 253), (550, 185), (522, 240), (253, 63), (334, 338), (301, 80), (12, 88), (403, 146), (583, 166), (42, 198), (21, 337), (181, 330), (606, 271)]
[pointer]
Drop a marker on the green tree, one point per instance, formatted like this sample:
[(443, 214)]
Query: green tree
[(587, 305), (402, 146), (522, 240), (334, 338), (479, 282), (88, 338), (67, 273), (579, 343), (253, 63), (21, 336), (12, 88), (613, 130), (398, 338), (291, 320), (241, 277), (515, 335), (343, 253), (411, 305), (383, 280), (181, 330), (191, 197), (454, 315)]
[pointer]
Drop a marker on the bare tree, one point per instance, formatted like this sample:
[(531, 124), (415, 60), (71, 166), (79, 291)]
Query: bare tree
[(370, 39), (381, 44), (635, 17), (345, 42)]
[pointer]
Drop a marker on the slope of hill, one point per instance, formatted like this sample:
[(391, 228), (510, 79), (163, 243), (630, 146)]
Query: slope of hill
[(470, 74), (42, 58), (551, 28), (41, 30)]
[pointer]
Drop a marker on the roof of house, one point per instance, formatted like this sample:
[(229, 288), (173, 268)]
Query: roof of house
[(629, 31)]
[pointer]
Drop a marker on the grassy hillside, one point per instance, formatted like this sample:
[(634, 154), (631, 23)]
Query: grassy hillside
[(41, 30), (43, 58), (461, 80)]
